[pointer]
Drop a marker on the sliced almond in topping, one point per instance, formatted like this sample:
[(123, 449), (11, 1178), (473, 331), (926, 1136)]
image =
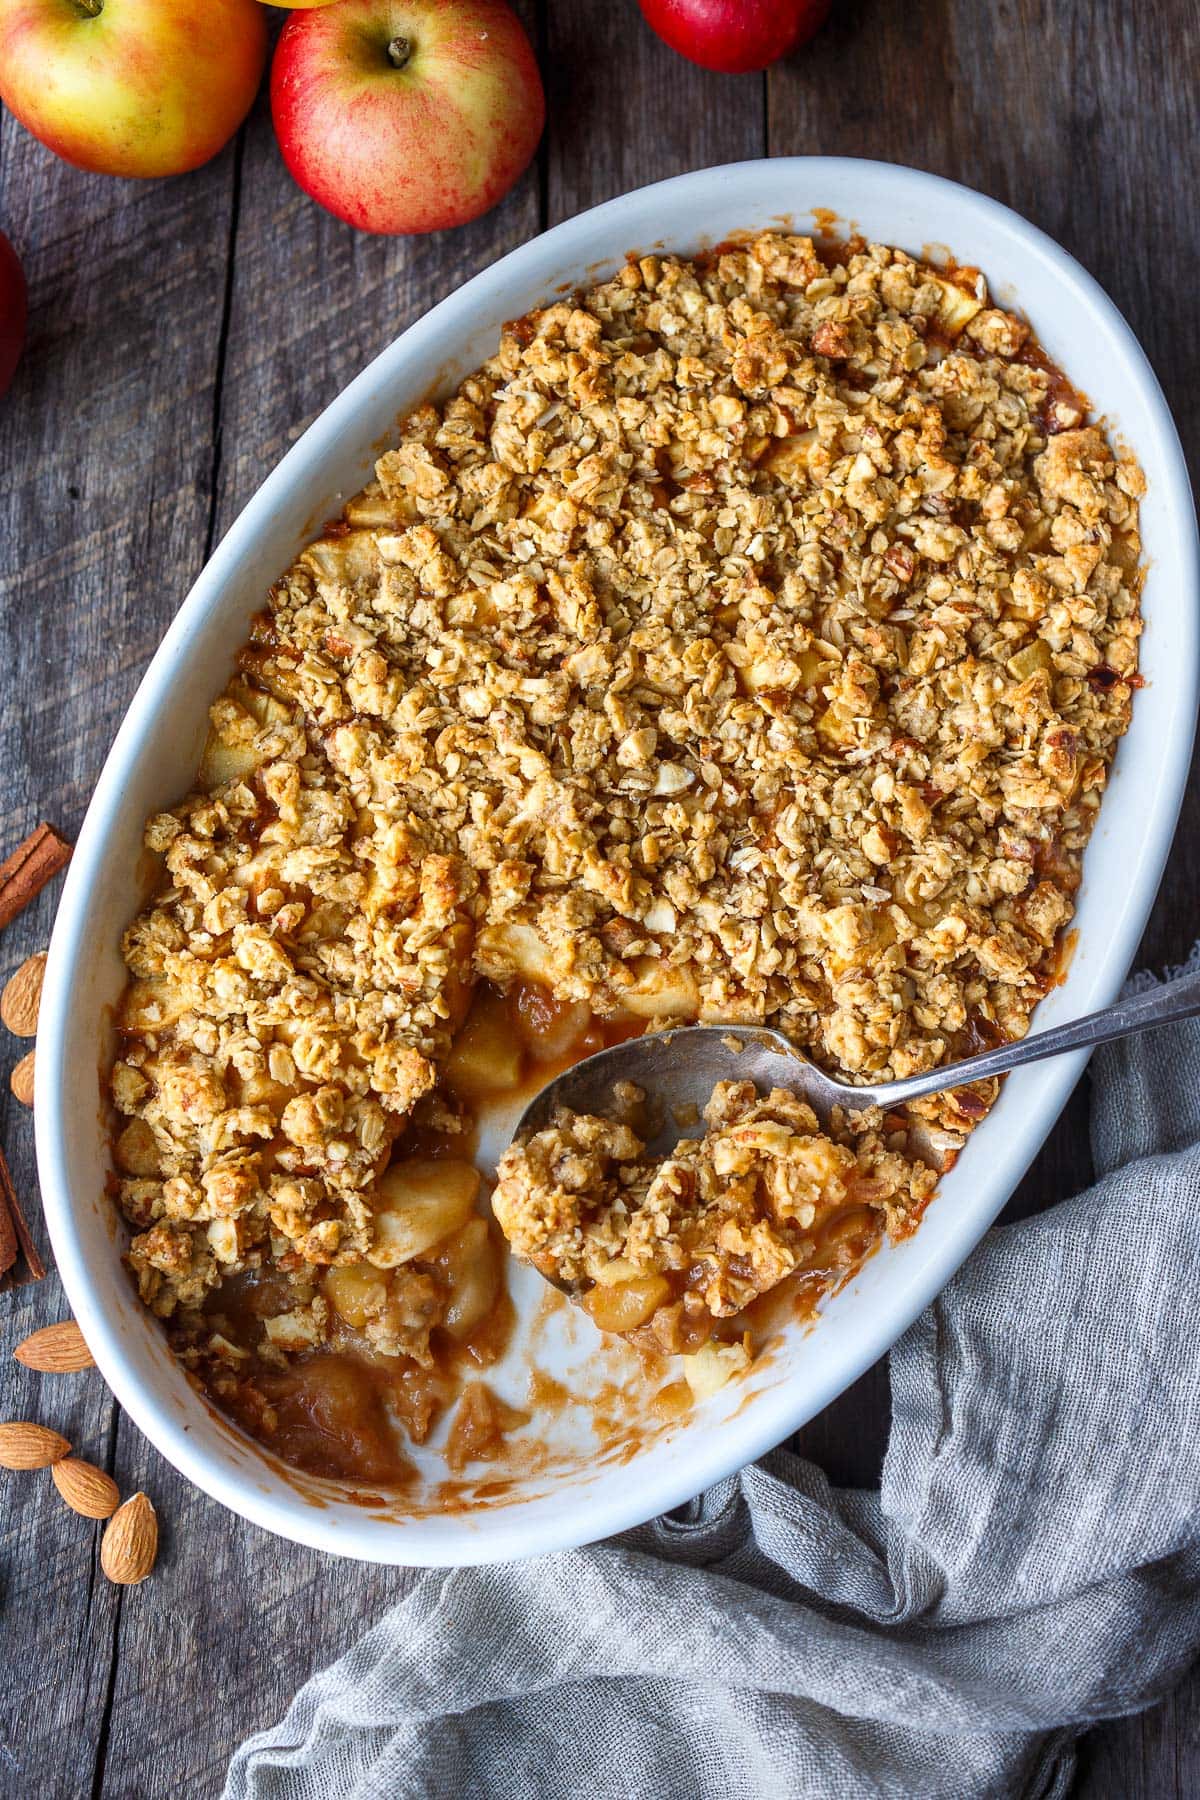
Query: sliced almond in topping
[(21, 1080), (56, 1350), (85, 1488), (24, 1445), (22, 995), (130, 1542)]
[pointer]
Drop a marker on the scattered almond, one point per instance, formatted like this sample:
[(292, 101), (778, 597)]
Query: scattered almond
[(22, 996), (85, 1488), (24, 1445), (21, 1080), (56, 1350), (130, 1542)]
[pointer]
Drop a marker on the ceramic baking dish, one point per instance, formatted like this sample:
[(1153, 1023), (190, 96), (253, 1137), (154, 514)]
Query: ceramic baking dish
[(574, 1486)]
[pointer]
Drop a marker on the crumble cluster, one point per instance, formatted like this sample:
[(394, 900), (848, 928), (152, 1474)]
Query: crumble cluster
[(748, 639), (728, 1216)]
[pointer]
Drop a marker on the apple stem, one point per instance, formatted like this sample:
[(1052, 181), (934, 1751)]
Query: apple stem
[(399, 51), (93, 8)]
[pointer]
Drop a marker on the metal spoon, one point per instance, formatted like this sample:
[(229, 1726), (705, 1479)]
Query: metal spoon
[(678, 1069)]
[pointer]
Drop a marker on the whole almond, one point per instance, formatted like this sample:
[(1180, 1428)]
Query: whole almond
[(130, 1542), (22, 996), (21, 1080), (85, 1488), (24, 1445), (55, 1350)]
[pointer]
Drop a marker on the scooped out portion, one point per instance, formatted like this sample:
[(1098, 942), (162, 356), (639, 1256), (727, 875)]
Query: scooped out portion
[(669, 1249)]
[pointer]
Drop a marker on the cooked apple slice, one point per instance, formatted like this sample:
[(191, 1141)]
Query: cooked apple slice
[(485, 1057), (956, 308), (349, 557), (713, 1367), (513, 948), (549, 1028), (470, 1263), (357, 1292), (623, 1305), (419, 1203), (789, 458), (373, 510), (659, 990), (151, 1006), (232, 750), (136, 1151)]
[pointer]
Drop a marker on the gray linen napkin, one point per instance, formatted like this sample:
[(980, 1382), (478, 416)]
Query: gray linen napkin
[(1030, 1565)]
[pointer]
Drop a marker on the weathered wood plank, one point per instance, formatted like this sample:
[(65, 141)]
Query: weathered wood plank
[(625, 110), (105, 476), (1153, 1756)]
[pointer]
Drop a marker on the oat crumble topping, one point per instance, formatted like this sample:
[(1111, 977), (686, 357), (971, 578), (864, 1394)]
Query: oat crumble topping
[(747, 640)]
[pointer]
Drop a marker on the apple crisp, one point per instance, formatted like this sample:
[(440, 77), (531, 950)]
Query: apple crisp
[(748, 639)]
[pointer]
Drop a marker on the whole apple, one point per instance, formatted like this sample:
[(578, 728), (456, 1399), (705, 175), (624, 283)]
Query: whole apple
[(12, 310), (402, 116), (131, 87), (735, 37)]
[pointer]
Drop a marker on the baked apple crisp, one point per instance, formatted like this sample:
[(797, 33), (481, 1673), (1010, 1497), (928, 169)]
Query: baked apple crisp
[(747, 640)]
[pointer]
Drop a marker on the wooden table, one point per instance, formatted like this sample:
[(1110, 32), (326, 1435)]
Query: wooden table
[(183, 333)]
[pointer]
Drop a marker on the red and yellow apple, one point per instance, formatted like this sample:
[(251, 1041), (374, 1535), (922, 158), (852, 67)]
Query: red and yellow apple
[(734, 36), (406, 115), (12, 310), (132, 87)]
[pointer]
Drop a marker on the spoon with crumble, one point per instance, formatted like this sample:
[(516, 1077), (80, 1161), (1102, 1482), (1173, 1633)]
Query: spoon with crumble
[(680, 1067)]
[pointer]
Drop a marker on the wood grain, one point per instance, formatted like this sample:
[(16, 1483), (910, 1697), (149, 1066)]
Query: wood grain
[(183, 333), (105, 490), (624, 110)]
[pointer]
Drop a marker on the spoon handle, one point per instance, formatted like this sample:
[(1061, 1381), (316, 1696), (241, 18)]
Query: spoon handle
[(1178, 999)]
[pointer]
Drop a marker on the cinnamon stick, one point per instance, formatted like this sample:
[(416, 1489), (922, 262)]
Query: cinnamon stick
[(31, 865), (14, 1228), (8, 1241)]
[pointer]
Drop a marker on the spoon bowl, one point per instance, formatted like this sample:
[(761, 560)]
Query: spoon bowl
[(677, 1071)]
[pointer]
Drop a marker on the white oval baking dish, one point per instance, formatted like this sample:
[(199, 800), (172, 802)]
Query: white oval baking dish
[(588, 1492)]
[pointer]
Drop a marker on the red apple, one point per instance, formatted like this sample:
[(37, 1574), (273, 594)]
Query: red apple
[(12, 311), (734, 36), (132, 87), (406, 115)]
